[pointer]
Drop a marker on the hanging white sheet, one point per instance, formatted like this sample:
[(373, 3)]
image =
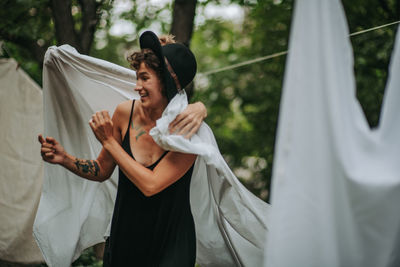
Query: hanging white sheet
[(336, 182), (74, 213), (21, 170)]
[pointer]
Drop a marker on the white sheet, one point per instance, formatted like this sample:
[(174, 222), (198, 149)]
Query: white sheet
[(336, 183), (74, 213), (21, 168)]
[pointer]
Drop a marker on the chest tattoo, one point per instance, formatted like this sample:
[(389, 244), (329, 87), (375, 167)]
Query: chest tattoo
[(139, 130)]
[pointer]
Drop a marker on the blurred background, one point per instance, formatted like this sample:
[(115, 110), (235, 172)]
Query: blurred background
[(242, 102)]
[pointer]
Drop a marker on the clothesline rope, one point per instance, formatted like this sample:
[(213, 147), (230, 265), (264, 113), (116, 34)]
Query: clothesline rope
[(252, 61)]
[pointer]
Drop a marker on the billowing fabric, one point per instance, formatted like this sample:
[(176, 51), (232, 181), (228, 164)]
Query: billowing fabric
[(230, 222), (229, 219), (21, 168), (74, 213), (336, 182)]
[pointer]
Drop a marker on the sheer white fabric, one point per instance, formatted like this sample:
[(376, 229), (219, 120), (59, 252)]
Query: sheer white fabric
[(336, 182), (21, 168), (74, 213)]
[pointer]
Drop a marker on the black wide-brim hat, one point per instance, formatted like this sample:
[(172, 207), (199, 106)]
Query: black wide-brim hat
[(177, 61)]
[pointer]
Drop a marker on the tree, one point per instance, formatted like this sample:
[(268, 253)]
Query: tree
[(183, 20), (243, 103), (79, 33), (29, 27)]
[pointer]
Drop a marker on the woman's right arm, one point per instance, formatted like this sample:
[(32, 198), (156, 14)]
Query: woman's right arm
[(98, 170)]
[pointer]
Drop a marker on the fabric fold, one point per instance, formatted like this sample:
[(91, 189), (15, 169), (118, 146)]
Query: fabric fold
[(335, 181)]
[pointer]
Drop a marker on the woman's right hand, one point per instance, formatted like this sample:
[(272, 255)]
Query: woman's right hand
[(51, 150)]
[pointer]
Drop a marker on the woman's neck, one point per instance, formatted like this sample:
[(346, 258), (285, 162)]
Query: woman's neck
[(151, 115)]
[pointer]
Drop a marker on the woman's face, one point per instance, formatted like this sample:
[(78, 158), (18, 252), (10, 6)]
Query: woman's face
[(149, 87)]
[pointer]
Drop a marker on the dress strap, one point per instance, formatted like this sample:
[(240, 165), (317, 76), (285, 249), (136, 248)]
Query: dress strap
[(130, 117), (129, 122), (152, 166)]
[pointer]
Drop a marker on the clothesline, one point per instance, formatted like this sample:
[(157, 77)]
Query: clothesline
[(278, 54)]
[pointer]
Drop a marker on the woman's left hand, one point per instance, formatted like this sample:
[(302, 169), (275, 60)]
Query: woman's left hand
[(189, 121), (102, 126)]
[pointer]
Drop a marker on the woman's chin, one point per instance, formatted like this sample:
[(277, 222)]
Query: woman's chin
[(145, 101)]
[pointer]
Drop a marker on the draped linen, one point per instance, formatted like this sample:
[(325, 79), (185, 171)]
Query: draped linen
[(21, 168), (336, 182), (231, 223)]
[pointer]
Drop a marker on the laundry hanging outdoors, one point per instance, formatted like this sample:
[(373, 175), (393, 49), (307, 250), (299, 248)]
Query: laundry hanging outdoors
[(335, 180), (21, 172)]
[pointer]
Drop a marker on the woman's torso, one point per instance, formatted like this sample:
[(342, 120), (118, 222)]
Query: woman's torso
[(151, 231)]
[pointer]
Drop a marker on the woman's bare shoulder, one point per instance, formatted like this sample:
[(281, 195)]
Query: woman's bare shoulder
[(121, 113), (123, 108)]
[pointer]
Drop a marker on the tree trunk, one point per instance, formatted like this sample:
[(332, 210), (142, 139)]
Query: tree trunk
[(183, 20), (64, 23), (90, 19), (182, 26)]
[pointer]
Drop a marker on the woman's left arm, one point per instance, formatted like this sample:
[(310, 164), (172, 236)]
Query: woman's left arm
[(188, 122), (150, 182), (171, 168)]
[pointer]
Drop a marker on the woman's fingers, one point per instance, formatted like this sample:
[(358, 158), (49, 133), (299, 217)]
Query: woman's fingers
[(49, 155), (48, 145), (51, 140), (185, 129), (174, 125), (46, 150), (100, 118), (41, 139), (193, 130), (187, 126), (180, 124), (94, 120), (92, 125), (48, 141), (106, 115)]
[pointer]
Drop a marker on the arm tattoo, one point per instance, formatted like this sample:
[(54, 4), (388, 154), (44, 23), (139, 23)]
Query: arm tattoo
[(87, 166)]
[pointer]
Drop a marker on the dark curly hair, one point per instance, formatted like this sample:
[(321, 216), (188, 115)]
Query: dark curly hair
[(147, 57)]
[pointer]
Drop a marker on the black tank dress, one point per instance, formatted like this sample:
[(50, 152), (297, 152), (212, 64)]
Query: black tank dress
[(151, 231)]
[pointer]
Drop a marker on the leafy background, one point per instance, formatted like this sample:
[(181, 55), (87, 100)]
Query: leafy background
[(242, 103)]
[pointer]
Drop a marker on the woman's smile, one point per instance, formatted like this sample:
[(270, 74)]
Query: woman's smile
[(143, 94)]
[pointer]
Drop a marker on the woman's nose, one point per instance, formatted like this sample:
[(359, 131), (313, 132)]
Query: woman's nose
[(138, 86)]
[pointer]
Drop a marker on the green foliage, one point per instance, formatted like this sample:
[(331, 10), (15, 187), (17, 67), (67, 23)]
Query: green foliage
[(88, 259), (372, 50), (27, 29), (243, 103), (145, 15), (26, 21)]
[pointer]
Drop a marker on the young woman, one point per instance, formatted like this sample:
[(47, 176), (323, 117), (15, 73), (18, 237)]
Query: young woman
[(152, 223)]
